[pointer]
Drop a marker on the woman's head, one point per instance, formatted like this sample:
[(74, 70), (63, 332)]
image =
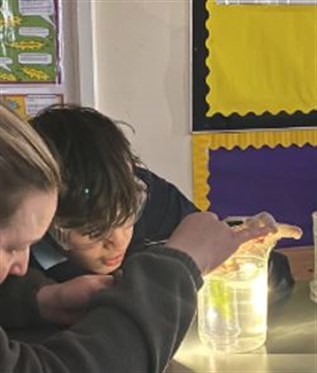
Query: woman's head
[(29, 179), (101, 194)]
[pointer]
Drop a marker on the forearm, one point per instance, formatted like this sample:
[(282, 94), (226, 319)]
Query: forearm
[(135, 326), (160, 301)]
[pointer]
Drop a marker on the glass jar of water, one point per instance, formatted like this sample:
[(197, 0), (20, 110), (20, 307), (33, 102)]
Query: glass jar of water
[(232, 305)]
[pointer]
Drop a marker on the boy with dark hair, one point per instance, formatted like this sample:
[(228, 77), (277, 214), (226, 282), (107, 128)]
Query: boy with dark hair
[(110, 205)]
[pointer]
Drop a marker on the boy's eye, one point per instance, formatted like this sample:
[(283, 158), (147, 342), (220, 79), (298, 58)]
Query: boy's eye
[(85, 246)]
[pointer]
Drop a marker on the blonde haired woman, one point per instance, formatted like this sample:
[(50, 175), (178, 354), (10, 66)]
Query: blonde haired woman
[(29, 180), (126, 328)]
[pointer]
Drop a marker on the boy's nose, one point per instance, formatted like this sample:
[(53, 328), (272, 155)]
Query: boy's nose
[(113, 239)]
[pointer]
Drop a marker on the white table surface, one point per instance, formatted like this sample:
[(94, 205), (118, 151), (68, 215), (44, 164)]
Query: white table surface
[(291, 345)]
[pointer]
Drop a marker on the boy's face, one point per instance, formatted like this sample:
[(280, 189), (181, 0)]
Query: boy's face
[(101, 255)]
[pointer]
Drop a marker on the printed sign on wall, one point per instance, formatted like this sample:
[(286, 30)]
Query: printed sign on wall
[(27, 106)]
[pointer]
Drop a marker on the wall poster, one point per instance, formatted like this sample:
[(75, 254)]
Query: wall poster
[(29, 42), (28, 105)]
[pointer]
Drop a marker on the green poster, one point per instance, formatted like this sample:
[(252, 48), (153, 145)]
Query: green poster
[(29, 41)]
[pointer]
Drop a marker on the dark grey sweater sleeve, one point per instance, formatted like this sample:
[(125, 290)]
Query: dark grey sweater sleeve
[(135, 326), (18, 305)]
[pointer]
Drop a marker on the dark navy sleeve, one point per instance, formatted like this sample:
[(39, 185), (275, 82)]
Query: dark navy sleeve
[(165, 207)]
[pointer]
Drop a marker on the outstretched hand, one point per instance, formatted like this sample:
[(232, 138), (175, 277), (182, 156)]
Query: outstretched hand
[(65, 303), (210, 241)]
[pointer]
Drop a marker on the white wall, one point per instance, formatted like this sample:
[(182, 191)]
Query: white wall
[(141, 68)]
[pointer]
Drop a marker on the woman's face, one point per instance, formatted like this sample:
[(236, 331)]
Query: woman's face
[(27, 226), (101, 255)]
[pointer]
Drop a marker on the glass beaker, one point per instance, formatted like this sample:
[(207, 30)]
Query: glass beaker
[(232, 304)]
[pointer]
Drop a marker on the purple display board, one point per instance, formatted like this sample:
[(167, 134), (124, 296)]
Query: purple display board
[(282, 181)]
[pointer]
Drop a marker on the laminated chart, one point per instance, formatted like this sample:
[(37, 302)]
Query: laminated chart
[(29, 46), (27, 106)]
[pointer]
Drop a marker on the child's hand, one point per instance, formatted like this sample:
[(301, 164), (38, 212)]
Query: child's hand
[(65, 303)]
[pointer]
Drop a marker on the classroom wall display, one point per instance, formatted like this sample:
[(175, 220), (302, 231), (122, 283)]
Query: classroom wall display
[(254, 65), (29, 43), (254, 125), (265, 173), (33, 71), (28, 105)]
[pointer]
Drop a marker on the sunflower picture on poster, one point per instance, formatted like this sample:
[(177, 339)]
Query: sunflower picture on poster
[(29, 41)]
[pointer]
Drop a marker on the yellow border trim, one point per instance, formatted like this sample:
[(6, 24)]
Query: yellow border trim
[(200, 146), (202, 143)]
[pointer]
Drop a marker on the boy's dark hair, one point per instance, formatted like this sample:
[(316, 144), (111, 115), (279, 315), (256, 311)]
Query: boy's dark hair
[(97, 166)]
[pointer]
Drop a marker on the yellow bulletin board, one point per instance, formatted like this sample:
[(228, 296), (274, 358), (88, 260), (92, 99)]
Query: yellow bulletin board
[(254, 66), (265, 61)]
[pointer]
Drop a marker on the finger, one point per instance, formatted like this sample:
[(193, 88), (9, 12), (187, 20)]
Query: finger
[(205, 215), (266, 219), (245, 235), (289, 231), (260, 218), (253, 226), (215, 216), (108, 281), (103, 280)]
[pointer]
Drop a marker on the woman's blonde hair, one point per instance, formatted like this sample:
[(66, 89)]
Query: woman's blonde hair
[(25, 163)]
